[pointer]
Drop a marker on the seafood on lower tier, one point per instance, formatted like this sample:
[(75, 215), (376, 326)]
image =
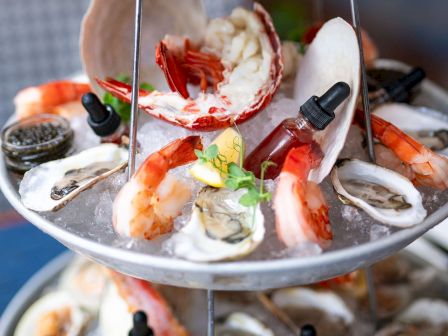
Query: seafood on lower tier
[(86, 281), (427, 168), (128, 295), (238, 69), (324, 309), (52, 313), (58, 97), (219, 228), (51, 185), (148, 203), (239, 323), (384, 194), (300, 208)]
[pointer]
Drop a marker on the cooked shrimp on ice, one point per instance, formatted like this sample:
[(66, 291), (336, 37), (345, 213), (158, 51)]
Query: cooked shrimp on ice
[(48, 97), (148, 203), (300, 207), (140, 295), (428, 168)]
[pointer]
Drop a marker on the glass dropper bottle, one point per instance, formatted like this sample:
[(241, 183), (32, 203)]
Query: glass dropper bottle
[(103, 119), (398, 90), (314, 115)]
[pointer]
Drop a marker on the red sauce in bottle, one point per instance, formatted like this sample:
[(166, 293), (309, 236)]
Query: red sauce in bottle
[(288, 134)]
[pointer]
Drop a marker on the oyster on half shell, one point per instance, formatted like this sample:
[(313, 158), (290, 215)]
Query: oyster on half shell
[(51, 185), (219, 228), (242, 324), (384, 194)]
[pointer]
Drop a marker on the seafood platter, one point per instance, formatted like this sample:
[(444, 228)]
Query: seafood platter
[(410, 294), (252, 170)]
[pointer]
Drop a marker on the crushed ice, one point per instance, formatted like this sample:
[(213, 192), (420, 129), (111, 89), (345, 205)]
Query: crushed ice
[(350, 225)]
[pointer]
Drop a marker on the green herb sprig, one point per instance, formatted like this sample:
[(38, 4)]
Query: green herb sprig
[(236, 176)]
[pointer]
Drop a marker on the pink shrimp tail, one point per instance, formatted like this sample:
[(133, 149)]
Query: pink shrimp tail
[(141, 295), (301, 210), (430, 168)]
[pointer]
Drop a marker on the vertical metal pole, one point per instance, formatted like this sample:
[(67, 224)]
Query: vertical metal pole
[(372, 295), (364, 88), (135, 87), (210, 313), (370, 145), (318, 10)]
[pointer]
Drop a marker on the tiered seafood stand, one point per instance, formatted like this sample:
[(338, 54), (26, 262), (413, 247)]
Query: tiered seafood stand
[(349, 251)]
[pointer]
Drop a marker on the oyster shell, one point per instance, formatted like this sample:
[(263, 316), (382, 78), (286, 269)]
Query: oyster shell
[(384, 194), (219, 228), (242, 324), (323, 309), (51, 313), (49, 186), (333, 56)]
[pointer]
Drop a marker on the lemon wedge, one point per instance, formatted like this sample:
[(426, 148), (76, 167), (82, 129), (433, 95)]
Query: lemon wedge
[(206, 172)]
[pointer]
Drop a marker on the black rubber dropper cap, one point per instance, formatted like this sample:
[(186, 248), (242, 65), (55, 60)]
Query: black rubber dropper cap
[(140, 322), (320, 110), (308, 330), (102, 118), (400, 90)]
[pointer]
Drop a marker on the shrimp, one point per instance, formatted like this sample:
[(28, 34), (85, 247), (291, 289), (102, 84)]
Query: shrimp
[(237, 68), (148, 203), (428, 168), (140, 295), (48, 98), (300, 207)]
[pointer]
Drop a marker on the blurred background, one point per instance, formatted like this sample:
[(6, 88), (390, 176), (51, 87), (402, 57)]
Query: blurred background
[(39, 42)]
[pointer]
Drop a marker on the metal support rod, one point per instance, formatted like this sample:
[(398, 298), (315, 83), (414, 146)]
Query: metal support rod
[(135, 86), (210, 313), (372, 295), (364, 88)]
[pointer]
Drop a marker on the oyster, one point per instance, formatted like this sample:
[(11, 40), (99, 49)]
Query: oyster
[(219, 228), (52, 313), (49, 186), (242, 324), (384, 194), (86, 282), (323, 309), (332, 57)]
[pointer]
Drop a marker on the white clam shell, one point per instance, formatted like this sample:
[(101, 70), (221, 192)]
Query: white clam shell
[(192, 242), (35, 187), (363, 171), (52, 302), (115, 317), (107, 35), (333, 56)]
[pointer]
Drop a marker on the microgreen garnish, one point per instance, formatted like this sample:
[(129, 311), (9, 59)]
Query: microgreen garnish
[(123, 109), (236, 177)]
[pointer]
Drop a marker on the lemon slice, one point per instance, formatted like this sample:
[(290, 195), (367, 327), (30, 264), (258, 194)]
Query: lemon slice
[(226, 143)]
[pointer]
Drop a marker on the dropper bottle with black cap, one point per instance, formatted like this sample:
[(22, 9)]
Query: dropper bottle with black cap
[(398, 90), (314, 115), (103, 119)]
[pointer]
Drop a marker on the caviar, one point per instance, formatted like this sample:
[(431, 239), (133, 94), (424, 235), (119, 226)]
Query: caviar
[(35, 134), (35, 140)]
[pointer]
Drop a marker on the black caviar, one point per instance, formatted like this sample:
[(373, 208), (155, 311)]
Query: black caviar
[(35, 140)]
